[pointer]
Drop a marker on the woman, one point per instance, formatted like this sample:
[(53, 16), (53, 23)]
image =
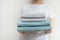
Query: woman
[(37, 6)]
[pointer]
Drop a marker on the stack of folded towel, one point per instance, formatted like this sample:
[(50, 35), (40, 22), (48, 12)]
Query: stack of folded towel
[(33, 23)]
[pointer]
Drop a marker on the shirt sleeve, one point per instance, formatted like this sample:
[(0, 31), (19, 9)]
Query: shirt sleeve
[(50, 12)]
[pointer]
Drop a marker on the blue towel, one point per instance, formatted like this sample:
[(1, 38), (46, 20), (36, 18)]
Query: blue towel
[(34, 24), (23, 29)]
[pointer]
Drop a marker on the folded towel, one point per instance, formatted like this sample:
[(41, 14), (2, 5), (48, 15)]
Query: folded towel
[(34, 15), (32, 25), (44, 23), (32, 20), (22, 29)]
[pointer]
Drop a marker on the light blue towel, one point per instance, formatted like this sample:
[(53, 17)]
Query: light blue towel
[(26, 24), (22, 29)]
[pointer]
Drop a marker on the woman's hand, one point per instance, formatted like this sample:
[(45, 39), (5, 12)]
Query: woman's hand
[(48, 31), (22, 32)]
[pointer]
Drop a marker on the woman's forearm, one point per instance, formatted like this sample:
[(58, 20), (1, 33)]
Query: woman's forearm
[(50, 21)]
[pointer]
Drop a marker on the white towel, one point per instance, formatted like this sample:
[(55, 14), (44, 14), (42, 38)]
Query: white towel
[(34, 15), (34, 20)]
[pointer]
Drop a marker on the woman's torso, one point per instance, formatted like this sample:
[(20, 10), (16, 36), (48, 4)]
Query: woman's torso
[(36, 9)]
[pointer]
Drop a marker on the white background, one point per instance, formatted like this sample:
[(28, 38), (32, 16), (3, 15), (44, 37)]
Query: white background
[(10, 13)]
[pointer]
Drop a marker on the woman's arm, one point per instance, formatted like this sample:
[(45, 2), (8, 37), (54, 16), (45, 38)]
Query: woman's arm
[(49, 31)]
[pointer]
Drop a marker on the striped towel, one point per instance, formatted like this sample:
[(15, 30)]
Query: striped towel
[(34, 17)]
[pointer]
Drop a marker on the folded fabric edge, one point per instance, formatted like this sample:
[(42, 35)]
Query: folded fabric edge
[(21, 29), (33, 25)]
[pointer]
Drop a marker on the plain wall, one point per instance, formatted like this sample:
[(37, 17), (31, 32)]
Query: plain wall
[(10, 13)]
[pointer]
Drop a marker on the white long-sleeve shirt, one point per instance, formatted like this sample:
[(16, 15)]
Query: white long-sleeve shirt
[(36, 9)]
